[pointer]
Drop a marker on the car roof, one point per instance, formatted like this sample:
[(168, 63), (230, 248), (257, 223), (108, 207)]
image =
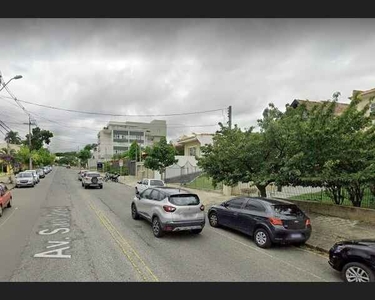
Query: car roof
[(272, 201), (171, 190)]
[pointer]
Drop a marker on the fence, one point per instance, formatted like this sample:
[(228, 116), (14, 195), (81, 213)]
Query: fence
[(204, 183), (315, 194)]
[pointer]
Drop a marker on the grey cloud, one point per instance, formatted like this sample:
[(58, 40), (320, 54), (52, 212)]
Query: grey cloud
[(158, 66)]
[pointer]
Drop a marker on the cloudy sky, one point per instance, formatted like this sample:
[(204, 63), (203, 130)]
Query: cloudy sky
[(166, 66)]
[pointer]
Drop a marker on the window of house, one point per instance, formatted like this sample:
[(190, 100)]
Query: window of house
[(192, 151)]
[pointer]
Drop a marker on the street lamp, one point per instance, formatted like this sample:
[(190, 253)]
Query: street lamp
[(15, 77)]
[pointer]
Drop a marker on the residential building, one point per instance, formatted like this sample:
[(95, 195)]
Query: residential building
[(117, 137), (193, 143), (4, 167), (339, 109), (366, 97)]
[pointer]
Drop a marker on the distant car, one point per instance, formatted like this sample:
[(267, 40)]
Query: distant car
[(81, 174), (169, 210), (5, 198), (92, 179), (147, 183), (68, 166), (268, 221), (35, 174), (46, 170), (25, 179), (354, 259), (41, 173)]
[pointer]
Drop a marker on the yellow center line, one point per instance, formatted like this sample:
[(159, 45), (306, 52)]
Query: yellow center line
[(121, 241)]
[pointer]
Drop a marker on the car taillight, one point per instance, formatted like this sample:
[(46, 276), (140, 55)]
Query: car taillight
[(308, 222), (275, 221), (168, 208), (202, 207)]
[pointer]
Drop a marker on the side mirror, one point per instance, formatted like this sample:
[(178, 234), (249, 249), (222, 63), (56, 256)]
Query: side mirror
[(139, 182), (225, 204), (138, 195)]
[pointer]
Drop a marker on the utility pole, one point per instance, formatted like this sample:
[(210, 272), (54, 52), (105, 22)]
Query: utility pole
[(30, 159), (230, 116)]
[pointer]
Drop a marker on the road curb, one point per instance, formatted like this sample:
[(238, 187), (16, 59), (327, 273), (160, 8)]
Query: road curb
[(310, 246)]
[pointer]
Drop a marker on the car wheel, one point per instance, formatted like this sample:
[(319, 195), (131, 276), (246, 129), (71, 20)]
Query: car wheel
[(156, 227), (212, 218), (262, 238), (196, 231), (1, 211), (86, 187), (9, 203), (101, 186), (135, 214), (357, 272)]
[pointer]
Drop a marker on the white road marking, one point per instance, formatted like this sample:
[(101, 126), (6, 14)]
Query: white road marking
[(269, 255), (8, 217)]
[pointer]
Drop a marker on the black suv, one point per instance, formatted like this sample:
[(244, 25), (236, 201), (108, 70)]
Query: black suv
[(267, 220), (355, 260)]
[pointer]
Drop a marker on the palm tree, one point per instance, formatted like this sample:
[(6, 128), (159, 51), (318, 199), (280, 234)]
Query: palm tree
[(12, 137)]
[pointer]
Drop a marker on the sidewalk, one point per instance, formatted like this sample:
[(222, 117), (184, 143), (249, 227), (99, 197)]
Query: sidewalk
[(5, 180)]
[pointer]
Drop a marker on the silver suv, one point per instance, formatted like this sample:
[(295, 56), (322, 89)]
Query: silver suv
[(92, 179), (169, 209)]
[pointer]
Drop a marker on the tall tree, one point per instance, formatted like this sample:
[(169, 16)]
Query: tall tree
[(134, 151), (12, 137), (38, 138), (160, 156)]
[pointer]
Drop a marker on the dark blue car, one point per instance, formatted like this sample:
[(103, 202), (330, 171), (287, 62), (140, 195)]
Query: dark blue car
[(268, 221)]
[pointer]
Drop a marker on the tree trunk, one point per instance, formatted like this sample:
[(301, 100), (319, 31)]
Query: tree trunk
[(262, 190)]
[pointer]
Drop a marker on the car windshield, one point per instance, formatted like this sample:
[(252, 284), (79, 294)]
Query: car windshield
[(23, 175), (156, 183), (287, 210), (185, 199)]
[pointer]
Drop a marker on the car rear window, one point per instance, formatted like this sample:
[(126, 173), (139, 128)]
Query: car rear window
[(183, 200), (93, 175), (287, 210), (156, 183)]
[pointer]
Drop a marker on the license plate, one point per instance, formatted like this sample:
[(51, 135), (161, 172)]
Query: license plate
[(188, 228), (295, 235)]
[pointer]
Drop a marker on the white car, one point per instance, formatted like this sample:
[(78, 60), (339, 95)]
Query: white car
[(147, 183), (25, 179), (35, 175), (92, 179)]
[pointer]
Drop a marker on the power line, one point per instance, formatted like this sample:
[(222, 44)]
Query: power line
[(119, 115)]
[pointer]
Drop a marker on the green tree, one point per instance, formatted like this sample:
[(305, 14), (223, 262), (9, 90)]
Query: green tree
[(134, 151), (84, 155), (38, 138), (22, 156), (12, 137), (160, 156)]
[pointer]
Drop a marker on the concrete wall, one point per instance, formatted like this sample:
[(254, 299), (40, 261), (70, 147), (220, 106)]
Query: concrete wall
[(346, 212)]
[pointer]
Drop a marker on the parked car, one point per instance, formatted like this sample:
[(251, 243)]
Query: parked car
[(92, 179), (147, 183), (5, 198), (169, 210), (81, 173), (35, 175), (25, 179), (268, 221), (41, 173), (354, 259), (46, 170)]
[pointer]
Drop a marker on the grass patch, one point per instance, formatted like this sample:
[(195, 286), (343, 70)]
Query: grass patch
[(203, 183), (367, 202)]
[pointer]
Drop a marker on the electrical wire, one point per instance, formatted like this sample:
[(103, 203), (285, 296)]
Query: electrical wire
[(119, 115)]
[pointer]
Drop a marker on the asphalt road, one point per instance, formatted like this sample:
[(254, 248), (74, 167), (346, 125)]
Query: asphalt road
[(59, 231)]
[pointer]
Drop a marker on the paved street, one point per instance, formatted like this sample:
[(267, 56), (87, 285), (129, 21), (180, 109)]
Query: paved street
[(59, 231)]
